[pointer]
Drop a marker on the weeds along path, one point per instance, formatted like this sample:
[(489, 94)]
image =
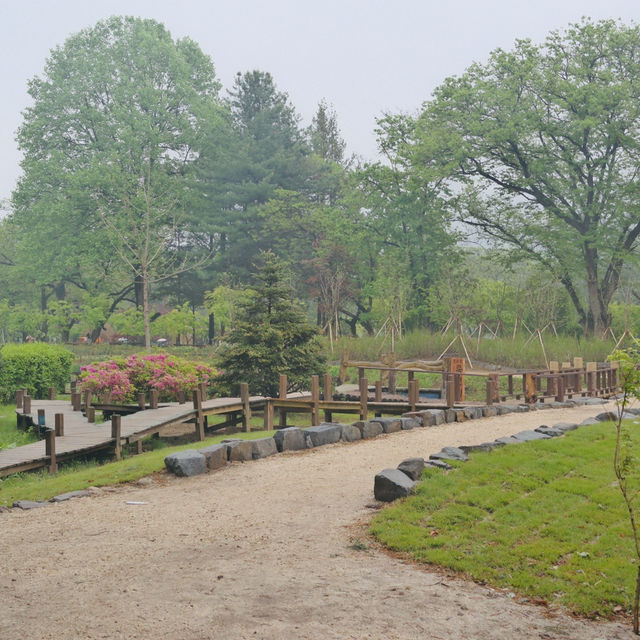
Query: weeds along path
[(258, 550)]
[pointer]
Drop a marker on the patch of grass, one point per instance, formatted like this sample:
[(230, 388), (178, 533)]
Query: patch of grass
[(10, 435), (82, 474), (545, 519)]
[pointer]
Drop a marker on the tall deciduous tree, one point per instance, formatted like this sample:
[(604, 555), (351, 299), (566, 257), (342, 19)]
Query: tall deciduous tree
[(108, 144), (544, 142)]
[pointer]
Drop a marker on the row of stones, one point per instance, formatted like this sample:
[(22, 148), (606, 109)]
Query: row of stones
[(391, 484), (193, 462)]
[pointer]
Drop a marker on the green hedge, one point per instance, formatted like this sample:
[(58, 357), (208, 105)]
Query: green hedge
[(35, 367)]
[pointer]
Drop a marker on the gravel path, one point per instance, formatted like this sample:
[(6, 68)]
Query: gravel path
[(257, 550)]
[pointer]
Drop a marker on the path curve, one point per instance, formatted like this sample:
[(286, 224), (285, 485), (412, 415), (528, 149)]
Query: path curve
[(258, 550)]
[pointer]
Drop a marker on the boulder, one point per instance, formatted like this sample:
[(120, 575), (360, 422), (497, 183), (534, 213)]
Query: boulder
[(369, 429), (389, 425), (588, 421), (564, 426), (186, 463), (413, 467), (349, 432), (529, 435), (432, 417), (391, 484), (63, 497), (461, 416), (29, 504), (323, 434), (450, 415), (410, 423), (290, 439), (485, 446), (508, 440), (549, 431), (438, 464), (263, 448), (215, 456), (450, 453), (489, 411), (607, 416), (504, 409), (238, 450)]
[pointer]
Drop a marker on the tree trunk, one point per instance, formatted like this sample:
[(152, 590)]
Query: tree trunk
[(145, 312), (138, 287), (212, 328), (598, 317)]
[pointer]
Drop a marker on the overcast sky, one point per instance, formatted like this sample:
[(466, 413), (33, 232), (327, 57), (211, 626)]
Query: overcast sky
[(365, 57)]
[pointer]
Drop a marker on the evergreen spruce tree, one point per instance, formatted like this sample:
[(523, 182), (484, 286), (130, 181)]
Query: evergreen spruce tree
[(271, 336)]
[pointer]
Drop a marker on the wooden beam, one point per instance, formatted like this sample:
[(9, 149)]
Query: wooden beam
[(50, 449), (116, 431), (246, 407)]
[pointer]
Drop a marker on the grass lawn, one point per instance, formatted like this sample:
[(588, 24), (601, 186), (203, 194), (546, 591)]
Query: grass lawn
[(545, 519), (10, 435)]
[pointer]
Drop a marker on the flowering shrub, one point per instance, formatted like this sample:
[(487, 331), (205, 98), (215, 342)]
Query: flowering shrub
[(124, 378)]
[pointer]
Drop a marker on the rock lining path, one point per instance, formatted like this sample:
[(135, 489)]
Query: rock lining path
[(257, 550)]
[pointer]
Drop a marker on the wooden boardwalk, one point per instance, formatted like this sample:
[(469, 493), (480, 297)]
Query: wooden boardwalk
[(82, 437)]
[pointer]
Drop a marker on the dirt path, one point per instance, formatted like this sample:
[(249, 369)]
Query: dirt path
[(258, 550)]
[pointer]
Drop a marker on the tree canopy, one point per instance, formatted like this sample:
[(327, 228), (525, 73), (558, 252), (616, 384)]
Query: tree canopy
[(539, 147)]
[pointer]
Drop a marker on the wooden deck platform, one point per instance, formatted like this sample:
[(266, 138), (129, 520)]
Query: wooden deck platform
[(82, 437)]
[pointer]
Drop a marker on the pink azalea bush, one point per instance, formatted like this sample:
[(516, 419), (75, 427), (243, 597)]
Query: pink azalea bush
[(124, 378)]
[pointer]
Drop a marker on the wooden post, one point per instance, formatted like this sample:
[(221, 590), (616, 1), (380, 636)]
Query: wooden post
[(182, 396), (26, 404), (142, 400), (489, 391), (50, 449), (560, 388), (268, 415), (414, 394), (328, 395), (246, 407), (456, 365), (361, 373), (19, 398), (76, 401), (59, 418), (510, 384), (364, 393), (342, 373), (614, 375), (41, 419), (315, 401), (197, 405), (73, 386), (451, 389), (116, 429), (378, 396), (392, 381), (153, 398), (282, 422), (52, 393), (530, 390), (591, 368), (91, 414), (204, 388)]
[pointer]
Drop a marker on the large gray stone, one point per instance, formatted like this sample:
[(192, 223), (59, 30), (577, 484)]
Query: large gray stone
[(263, 448), (369, 429), (349, 432), (290, 439), (588, 421), (438, 464), (238, 450), (413, 467), (391, 484), (450, 453), (432, 417), (323, 434), (450, 415), (607, 416), (504, 409), (508, 440), (564, 426), (549, 431), (31, 504), (485, 446), (529, 435), (63, 497), (186, 463), (410, 423), (389, 425), (490, 411), (215, 455)]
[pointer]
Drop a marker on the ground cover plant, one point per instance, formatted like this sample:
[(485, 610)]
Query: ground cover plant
[(10, 435), (544, 519)]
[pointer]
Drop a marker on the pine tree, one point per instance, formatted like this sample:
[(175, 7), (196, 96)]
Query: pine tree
[(271, 336)]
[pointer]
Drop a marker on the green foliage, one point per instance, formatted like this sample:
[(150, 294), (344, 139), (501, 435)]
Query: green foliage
[(35, 367), (543, 519), (10, 435), (271, 336)]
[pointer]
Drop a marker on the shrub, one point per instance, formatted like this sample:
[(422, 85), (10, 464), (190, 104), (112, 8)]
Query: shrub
[(124, 378), (35, 367)]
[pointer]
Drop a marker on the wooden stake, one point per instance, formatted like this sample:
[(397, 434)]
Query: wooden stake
[(315, 401), (59, 422), (116, 429), (197, 405), (246, 407), (50, 449)]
